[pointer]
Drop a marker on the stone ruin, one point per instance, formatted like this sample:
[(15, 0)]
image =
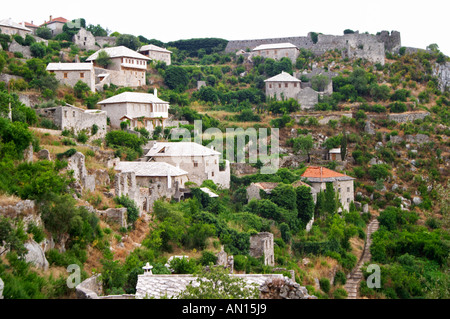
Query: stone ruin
[(83, 180), (283, 288), (262, 245)]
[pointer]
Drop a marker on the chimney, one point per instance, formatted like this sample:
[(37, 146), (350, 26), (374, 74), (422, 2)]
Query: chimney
[(50, 19), (155, 92)]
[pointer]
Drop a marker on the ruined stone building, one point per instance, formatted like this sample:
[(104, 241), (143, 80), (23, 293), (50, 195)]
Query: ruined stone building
[(140, 109), (85, 40), (201, 163), (156, 53), (277, 51), (9, 27), (75, 119), (261, 244), (145, 182), (71, 73), (127, 67), (319, 176)]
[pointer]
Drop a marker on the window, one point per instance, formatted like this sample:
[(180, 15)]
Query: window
[(65, 113), (81, 75), (348, 189), (279, 86), (212, 174), (339, 190), (73, 113), (195, 164), (295, 85), (65, 75), (270, 86), (285, 85), (348, 200)]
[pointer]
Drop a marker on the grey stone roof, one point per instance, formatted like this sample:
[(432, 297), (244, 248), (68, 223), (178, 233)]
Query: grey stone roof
[(180, 149), (282, 77), (133, 97), (152, 47), (11, 24), (149, 169), (274, 46), (120, 51), (158, 286)]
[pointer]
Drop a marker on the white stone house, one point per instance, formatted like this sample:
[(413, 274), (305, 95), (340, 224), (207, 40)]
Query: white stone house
[(9, 27), (156, 53), (277, 51), (145, 182), (282, 86), (141, 109), (201, 163), (318, 177), (55, 25), (127, 67), (76, 119), (71, 73)]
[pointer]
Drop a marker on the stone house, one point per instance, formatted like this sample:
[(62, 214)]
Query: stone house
[(55, 25), (8, 26), (201, 163), (277, 51), (127, 67), (318, 177), (282, 86), (285, 86), (156, 53), (150, 181), (76, 119), (71, 73), (141, 109), (334, 154), (85, 40), (31, 26)]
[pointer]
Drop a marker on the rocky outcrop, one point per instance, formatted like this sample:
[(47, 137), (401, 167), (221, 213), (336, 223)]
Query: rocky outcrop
[(442, 72), (35, 255), (283, 288)]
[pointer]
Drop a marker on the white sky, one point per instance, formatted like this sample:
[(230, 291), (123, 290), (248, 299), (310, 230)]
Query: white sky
[(419, 22)]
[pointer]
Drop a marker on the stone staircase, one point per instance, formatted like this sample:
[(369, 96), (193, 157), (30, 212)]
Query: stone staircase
[(355, 277)]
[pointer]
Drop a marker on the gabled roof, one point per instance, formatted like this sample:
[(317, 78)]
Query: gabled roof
[(172, 149), (30, 25), (322, 174), (55, 20), (152, 47), (282, 77), (273, 46), (117, 52), (133, 97), (11, 24), (70, 67), (150, 169)]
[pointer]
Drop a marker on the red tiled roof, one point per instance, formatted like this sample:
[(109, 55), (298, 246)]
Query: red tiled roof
[(30, 25), (59, 19), (267, 185), (321, 172), (300, 183)]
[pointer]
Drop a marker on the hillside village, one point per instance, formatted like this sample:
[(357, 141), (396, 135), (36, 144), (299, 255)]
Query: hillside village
[(103, 164)]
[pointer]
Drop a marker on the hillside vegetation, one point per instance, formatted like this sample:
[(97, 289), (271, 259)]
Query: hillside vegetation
[(405, 183)]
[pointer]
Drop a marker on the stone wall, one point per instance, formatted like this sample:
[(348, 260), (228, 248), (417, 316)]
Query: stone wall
[(407, 117), (16, 47), (77, 163), (118, 215), (102, 41), (85, 40), (308, 98), (30, 100), (356, 45)]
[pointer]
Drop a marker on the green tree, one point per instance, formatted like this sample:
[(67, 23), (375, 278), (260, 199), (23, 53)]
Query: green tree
[(216, 283), (303, 143), (176, 78), (103, 59), (97, 30), (129, 41), (44, 33), (319, 82), (38, 50), (330, 205), (305, 204)]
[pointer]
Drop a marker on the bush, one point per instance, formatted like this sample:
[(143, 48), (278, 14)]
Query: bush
[(324, 284), (132, 209), (340, 293), (82, 137)]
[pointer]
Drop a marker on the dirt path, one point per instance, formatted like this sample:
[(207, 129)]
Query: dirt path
[(353, 281)]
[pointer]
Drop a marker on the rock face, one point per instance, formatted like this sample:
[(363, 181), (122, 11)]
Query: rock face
[(36, 255), (283, 288), (368, 128), (2, 285), (44, 154), (442, 72)]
